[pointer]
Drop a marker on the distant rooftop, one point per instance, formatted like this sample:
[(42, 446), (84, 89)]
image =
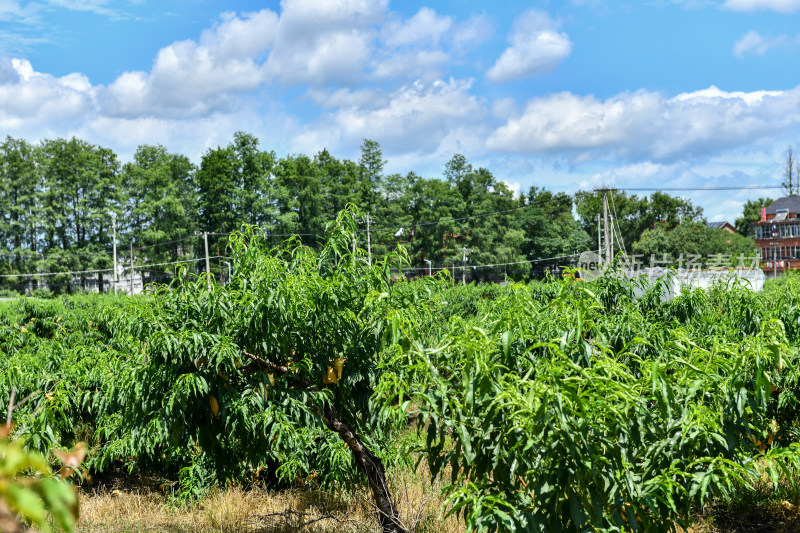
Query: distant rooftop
[(719, 225), (790, 203)]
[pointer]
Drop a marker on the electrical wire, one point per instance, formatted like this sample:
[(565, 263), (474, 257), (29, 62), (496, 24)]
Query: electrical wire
[(47, 274), (529, 261), (145, 247), (722, 188), (124, 268), (270, 235)]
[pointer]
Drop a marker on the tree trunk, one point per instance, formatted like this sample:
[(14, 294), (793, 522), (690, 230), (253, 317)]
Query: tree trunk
[(371, 465), (373, 468)]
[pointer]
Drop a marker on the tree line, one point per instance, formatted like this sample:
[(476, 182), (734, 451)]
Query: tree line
[(60, 200)]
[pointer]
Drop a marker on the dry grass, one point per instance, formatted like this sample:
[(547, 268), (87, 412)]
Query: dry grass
[(235, 510), (255, 511), (783, 517)]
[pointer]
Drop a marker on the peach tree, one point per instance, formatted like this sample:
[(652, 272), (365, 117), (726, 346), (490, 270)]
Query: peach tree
[(273, 371)]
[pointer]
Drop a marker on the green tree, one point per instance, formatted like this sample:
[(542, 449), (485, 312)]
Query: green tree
[(235, 186), (394, 212), (80, 180), (371, 166), (300, 198), (751, 212), (339, 181), (693, 238), (283, 377), (633, 215), (549, 226), (159, 208), (436, 203), (20, 190)]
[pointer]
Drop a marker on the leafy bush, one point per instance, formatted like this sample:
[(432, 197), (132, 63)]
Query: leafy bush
[(273, 371), (582, 412)]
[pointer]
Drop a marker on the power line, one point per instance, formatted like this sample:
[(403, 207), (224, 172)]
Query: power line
[(97, 271), (46, 274), (145, 265), (66, 254), (723, 188), (164, 243), (269, 235), (529, 261)]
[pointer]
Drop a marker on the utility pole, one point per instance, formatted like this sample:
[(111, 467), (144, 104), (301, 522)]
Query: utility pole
[(132, 268), (611, 218), (464, 266), (429, 267), (114, 230), (208, 263), (605, 228), (369, 245), (599, 240), (609, 247)]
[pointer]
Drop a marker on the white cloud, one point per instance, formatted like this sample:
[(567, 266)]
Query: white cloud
[(10, 9), (635, 172), (473, 31), (504, 108), (714, 93), (99, 7), (14, 11), (424, 46), (753, 43), (419, 117), (324, 41), (536, 48), (646, 125), (514, 187), (362, 98), (781, 6), (425, 64), (31, 101), (426, 27), (197, 78), (309, 42)]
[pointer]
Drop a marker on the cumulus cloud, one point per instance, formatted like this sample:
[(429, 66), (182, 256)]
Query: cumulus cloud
[(426, 64), (625, 174), (416, 117), (326, 41), (424, 45), (309, 42), (312, 43), (196, 78), (753, 43), (33, 101), (536, 48), (781, 6), (198, 88), (646, 125), (426, 27)]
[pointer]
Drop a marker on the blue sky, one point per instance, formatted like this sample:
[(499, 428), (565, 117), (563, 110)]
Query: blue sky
[(564, 95)]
